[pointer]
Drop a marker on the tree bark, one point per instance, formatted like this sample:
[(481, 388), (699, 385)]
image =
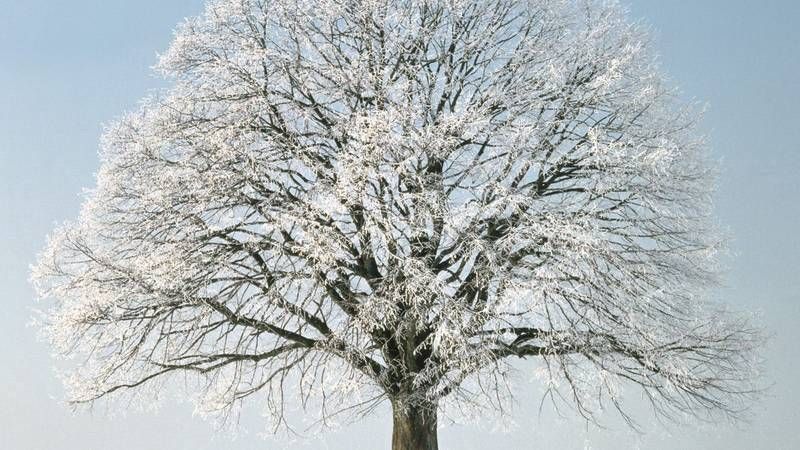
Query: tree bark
[(414, 428)]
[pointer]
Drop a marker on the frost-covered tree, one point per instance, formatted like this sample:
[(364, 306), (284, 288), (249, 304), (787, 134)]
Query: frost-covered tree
[(340, 203)]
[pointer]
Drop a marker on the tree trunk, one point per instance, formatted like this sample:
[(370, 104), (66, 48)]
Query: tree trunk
[(414, 428)]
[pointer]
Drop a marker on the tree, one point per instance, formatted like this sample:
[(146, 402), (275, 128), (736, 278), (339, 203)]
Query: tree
[(357, 201)]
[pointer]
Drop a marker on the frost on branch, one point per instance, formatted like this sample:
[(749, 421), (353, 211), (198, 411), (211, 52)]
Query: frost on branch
[(395, 199)]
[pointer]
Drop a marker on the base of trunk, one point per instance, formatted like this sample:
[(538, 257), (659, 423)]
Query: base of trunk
[(414, 428)]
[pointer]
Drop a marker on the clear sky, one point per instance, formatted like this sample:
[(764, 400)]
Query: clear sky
[(67, 67)]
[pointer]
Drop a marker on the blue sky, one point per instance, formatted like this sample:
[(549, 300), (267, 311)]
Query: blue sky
[(68, 67)]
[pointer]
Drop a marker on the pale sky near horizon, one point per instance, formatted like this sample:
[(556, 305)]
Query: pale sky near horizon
[(68, 67)]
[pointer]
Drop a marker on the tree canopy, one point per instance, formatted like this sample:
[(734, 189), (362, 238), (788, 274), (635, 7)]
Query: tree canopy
[(354, 201)]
